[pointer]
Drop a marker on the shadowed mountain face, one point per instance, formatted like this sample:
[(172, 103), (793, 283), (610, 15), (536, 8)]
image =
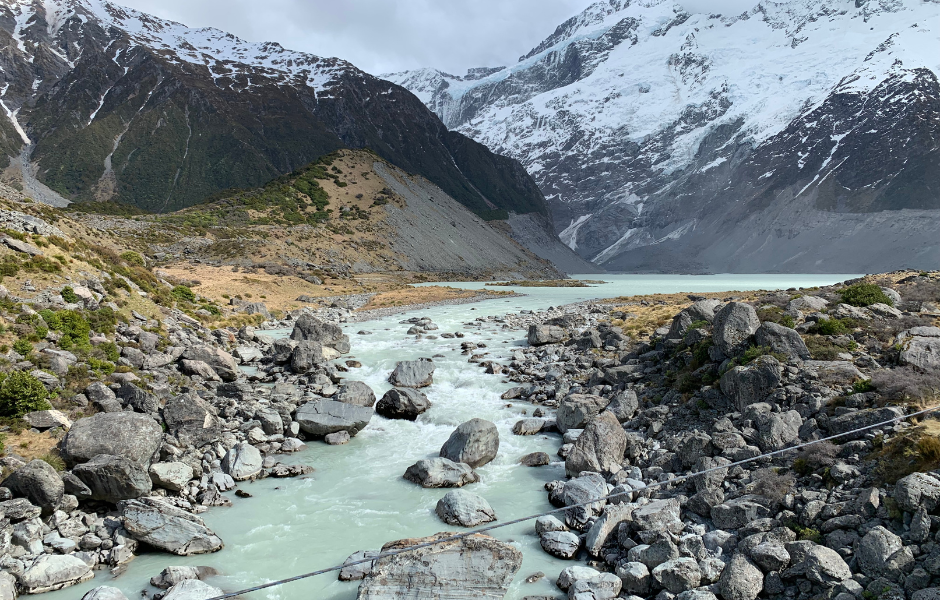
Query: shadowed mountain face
[(797, 136), (113, 104)]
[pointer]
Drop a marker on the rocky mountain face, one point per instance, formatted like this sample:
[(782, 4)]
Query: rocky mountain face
[(107, 103), (796, 136)]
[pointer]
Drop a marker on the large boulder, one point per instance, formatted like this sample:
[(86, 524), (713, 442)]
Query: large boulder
[(540, 335), (560, 544), (820, 564), (588, 490), (575, 411), (753, 382), (599, 448), (413, 373), (862, 418), (355, 392), (306, 356), (52, 572), (133, 436), (475, 442), (477, 566), (137, 399), (460, 507), (168, 528), (220, 360), (807, 304), (776, 431), (440, 473), (403, 403), (242, 461), (312, 329), (740, 579), (103, 397), (39, 483), (105, 592), (921, 352), (322, 417), (192, 589), (916, 491), (781, 339), (171, 475), (192, 421), (882, 554), (733, 327), (113, 478)]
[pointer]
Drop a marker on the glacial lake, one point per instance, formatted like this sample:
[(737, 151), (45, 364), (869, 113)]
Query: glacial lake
[(356, 499)]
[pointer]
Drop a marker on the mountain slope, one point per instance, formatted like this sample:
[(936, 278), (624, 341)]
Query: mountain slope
[(657, 135), (109, 103)]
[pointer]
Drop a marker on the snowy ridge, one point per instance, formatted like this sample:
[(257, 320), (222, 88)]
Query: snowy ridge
[(627, 96), (224, 54)]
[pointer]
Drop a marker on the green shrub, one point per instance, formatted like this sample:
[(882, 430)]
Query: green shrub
[(862, 386), (69, 295), (21, 393), (75, 329), (133, 258), (864, 294), (102, 320), (829, 327), (51, 319), (183, 293), (23, 347), (111, 351)]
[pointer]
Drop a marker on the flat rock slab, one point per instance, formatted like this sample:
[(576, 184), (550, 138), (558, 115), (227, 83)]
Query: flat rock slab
[(477, 566), (169, 528), (53, 572), (322, 417)]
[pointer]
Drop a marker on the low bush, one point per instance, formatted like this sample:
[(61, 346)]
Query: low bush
[(917, 449), (907, 384), (69, 295), (22, 347), (864, 294), (133, 258), (183, 293), (20, 393)]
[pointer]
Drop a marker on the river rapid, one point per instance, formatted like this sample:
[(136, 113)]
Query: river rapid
[(356, 499)]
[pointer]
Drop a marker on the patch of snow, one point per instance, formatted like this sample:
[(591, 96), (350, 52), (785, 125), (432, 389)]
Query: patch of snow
[(569, 236)]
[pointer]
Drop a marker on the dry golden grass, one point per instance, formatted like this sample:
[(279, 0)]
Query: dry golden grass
[(30, 445), (420, 295), (648, 313), (916, 449)]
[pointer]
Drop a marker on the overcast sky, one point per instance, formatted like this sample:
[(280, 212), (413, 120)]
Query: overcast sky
[(381, 36)]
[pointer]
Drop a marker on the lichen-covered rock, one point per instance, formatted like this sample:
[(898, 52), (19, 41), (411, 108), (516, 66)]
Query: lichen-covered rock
[(540, 335), (575, 411), (599, 448), (440, 473), (475, 442), (733, 326), (168, 528), (752, 383), (322, 417), (39, 483), (917, 490), (192, 421), (477, 566), (220, 360), (741, 579), (113, 478), (782, 340), (413, 373), (52, 572), (133, 436), (309, 328), (881, 553), (460, 507)]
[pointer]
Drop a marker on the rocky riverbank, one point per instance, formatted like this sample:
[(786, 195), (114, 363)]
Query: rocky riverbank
[(174, 423), (728, 381)]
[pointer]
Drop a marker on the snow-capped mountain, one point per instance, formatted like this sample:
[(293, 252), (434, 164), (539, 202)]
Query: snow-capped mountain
[(103, 102), (801, 135)]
